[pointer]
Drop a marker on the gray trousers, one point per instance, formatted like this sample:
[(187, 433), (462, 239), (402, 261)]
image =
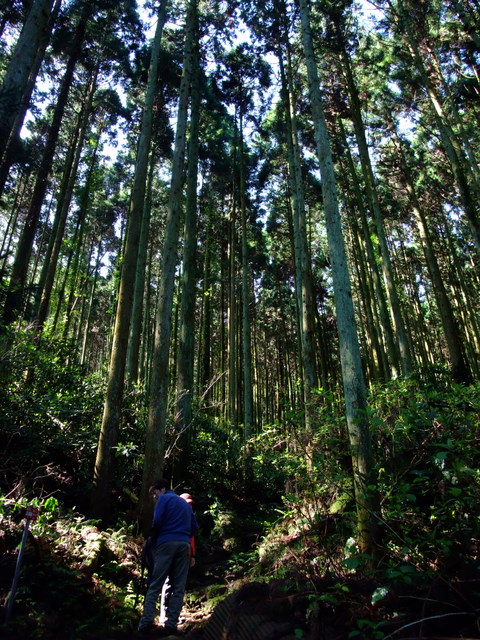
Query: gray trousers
[(172, 560)]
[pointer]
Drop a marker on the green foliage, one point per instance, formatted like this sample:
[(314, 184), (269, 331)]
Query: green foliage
[(428, 467), (427, 463), (49, 410), (215, 457), (368, 630), (317, 511), (281, 506), (75, 578)]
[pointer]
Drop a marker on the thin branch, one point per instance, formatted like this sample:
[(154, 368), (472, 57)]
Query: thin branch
[(412, 624)]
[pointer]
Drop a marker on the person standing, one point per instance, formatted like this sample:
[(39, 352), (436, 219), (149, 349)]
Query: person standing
[(174, 523), (167, 586), (193, 550)]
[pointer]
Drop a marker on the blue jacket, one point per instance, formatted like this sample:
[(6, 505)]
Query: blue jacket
[(173, 518)]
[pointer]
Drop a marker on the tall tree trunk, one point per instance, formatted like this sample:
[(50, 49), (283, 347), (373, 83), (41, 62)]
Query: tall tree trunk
[(88, 320), (14, 297), (51, 260), (377, 361), (186, 346), (159, 383), (371, 189), (137, 310), (232, 317), (303, 274), (246, 298), (391, 366), (352, 373), (461, 292), (460, 368), (108, 438), (19, 78), (74, 279), (11, 228), (465, 180), (205, 356)]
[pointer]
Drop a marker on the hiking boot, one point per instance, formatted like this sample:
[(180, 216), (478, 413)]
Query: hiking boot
[(146, 630), (163, 632)]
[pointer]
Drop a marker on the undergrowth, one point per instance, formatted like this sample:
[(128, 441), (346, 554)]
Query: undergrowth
[(76, 580), (270, 512)]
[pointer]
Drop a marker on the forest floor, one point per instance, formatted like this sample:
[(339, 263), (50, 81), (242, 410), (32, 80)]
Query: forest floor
[(56, 603), (219, 604)]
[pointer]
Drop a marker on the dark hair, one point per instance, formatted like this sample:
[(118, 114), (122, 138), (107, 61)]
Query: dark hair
[(160, 484)]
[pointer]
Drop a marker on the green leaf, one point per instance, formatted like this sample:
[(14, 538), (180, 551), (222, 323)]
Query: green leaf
[(379, 594), (352, 563)]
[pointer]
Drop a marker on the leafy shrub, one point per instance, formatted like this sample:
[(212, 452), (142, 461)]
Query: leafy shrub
[(75, 579), (50, 412), (428, 465)]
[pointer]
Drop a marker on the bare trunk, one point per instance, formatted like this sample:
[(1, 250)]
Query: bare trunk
[(353, 382), (58, 231), (108, 438), (303, 275), (159, 383), (460, 369), (20, 75), (246, 299), (370, 186), (186, 348), (467, 185)]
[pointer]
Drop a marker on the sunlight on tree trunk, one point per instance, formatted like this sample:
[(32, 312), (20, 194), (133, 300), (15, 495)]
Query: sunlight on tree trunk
[(159, 382), (108, 439), (353, 382)]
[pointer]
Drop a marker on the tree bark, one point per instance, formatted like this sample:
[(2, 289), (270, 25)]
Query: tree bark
[(465, 179), (390, 363), (370, 186), (246, 298), (351, 365), (108, 438), (19, 78), (138, 299), (460, 369), (159, 383), (303, 275), (51, 260), (186, 346)]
